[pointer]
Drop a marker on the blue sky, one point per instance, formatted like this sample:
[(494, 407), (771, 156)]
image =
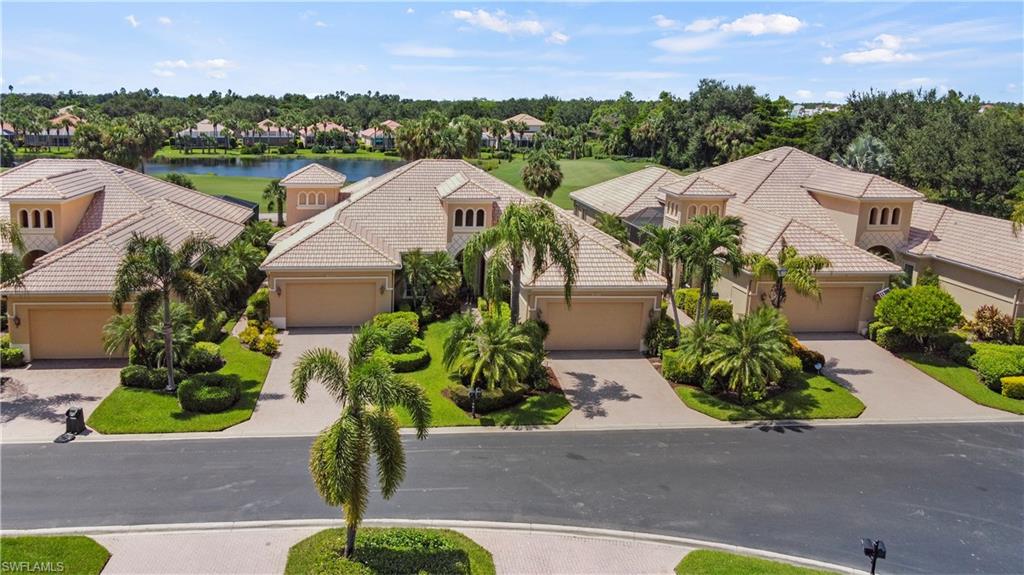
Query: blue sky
[(806, 51)]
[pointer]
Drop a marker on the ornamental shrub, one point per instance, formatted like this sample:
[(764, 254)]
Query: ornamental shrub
[(12, 357), (159, 376), (267, 344), (209, 392), (490, 400), (961, 353), (416, 358), (928, 277), (687, 299), (258, 305), (203, 357), (990, 324), (791, 369), (944, 341), (249, 335), (210, 329), (675, 370), (138, 376), (384, 320), (399, 335), (995, 362), (288, 148), (892, 339), (919, 311), (1018, 331), (5, 341), (1013, 387), (405, 551), (873, 328), (808, 357), (660, 335)]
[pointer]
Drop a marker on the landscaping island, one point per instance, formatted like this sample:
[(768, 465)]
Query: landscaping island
[(707, 562), (55, 554)]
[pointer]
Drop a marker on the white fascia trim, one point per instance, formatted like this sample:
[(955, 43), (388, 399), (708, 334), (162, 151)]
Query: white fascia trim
[(341, 279), (925, 257), (322, 269), (862, 198)]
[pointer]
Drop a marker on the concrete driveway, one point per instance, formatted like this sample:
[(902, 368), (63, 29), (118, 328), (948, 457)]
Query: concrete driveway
[(619, 389), (891, 389), (276, 412), (33, 401)]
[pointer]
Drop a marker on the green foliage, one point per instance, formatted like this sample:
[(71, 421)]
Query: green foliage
[(1018, 331), (12, 357), (919, 311), (808, 357), (928, 277), (963, 380), (399, 334), (140, 376), (491, 399), (893, 339), (249, 335), (203, 357), (5, 341), (267, 344), (1013, 387), (6, 153), (865, 154), (258, 305), (943, 342), (541, 174), (414, 358), (747, 354), (209, 392), (660, 335), (179, 180), (961, 353), (676, 369), (688, 298), (708, 562), (990, 324), (210, 329), (995, 362), (75, 553), (790, 370), (384, 320), (491, 353), (873, 328)]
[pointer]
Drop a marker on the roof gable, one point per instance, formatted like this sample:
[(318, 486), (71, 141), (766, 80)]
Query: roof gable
[(314, 174)]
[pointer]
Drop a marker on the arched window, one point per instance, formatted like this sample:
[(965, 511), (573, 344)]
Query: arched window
[(691, 212), (458, 218), (23, 218), (49, 218), (873, 216), (715, 210), (301, 199), (479, 218), (703, 210), (895, 217), (36, 219), (321, 199), (885, 217)]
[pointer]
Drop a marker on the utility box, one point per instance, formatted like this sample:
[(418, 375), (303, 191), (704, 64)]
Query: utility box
[(75, 420)]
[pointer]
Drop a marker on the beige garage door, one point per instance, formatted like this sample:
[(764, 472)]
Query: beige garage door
[(594, 325), (838, 310), (330, 303), (67, 332)]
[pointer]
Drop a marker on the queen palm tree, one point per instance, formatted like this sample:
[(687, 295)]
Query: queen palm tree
[(415, 269), (492, 351), (541, 175), (799, 274), (523, 231), (1017, 217), (11, 266), (276, 195), (705, 245), (748, 352), (368, 393), (656, 251), (152, 273)]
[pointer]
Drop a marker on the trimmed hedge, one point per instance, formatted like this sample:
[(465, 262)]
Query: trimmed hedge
[(12, 357), (674, 369), (892, 339), (399, 335), (1013, 387), (209, 392), (384, 320), (791, 369), (203, 357), (808, 357), (258, 305), (686, 298), (490, 400), (413, 360), (142, 377), (873, 328), (961, 353), (1018, 331), (943, 342), (994, 362)]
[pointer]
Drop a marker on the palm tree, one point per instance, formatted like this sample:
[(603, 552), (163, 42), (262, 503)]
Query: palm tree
[(799, 274), (614, 227), (152, 273), (657, 250), (748, 352), (705, 244), (120, 334), (541, 175), (865, 153), (497, 129), (11, 266), (494, 351), (276, 195), (1017, 217), (415, 270), (532, 229), (368, 393), (696, 342)]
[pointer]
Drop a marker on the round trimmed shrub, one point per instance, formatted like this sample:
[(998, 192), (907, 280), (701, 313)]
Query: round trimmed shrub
[(490, 400), (384, 320), (141, 377), (399, 336), (944, 341), (960, 352), (415, 359), (12, 357), (919, 312), (203, 357), (1013, 387), (808, 357), (209, 392)]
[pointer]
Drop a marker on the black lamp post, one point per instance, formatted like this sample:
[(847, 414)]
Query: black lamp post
[(779, 291), (874, 550), (474, 394)]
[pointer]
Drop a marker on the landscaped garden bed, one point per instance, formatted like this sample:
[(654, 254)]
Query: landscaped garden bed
[(55, 554), (384, 551), (708, 562)]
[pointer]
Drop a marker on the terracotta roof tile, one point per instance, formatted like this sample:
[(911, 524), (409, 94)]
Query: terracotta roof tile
[(314, 175), (968, 239)]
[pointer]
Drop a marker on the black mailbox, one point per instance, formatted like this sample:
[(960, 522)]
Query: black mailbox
[(75, 420)]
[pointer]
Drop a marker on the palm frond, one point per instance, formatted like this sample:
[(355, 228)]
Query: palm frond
[(322, 365), (382, 429)]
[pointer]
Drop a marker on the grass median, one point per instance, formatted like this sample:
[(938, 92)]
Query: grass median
[(815, 397), (55, 554), (962, 380)]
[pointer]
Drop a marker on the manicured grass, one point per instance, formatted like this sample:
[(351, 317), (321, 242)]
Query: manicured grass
[(576, 174), (73, 554), (390, 551), (816, 397), (169, 153), (26, 154), (128, 410), (242, 187), (707, 562), (962, 380), (547, 409)]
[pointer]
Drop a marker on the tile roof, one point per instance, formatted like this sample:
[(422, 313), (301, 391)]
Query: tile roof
[(835, 180), (526, 119), (968, 239), (129, 203), (696, 186), (65, 186), (314, 174), (628, 195), (371, 131), (460, 187)]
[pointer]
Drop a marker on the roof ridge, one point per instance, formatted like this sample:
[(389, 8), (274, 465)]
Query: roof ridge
[(931, 232), (359, 234), (757, 188), (374, 184), (664, 172), (118, 176), (294, 245), (867, 185)]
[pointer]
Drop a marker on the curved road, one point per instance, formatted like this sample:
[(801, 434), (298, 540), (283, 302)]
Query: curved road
[(945, 498)]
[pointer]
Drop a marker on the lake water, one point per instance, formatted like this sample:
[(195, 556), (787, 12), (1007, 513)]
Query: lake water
[(272, 167)]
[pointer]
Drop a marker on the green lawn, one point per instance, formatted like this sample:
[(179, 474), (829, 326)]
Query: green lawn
[(964, 381), (128, 410), (243, 187), (390, 550), (817, 397), (546, 409), (73, 554), (576, 174), (169, 153), (707, 562)]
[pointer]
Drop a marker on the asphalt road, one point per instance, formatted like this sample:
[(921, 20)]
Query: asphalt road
[(945, 498)]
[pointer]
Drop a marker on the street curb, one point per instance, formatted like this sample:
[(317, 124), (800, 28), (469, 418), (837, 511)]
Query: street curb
[(538, 528)]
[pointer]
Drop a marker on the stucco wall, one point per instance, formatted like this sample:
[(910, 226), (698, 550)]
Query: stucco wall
[(294, 213), (278, 281), (78, 312), (973, 289)]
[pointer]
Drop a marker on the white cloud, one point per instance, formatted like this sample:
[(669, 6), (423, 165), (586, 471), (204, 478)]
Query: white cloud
[(758, 24), (916, 82), (703, 25), (410, 10), (172, 64), (132, 20), (162, 72), (217, 74), (827, 60), (834, 95), (688, 44), (419, 51), (320, 24), (884, 49), (664, 22), (499, 21), (166, 21), (214, 67), (1011, 88), (558, 38), (29, 80), (826, 45), (804, 94)]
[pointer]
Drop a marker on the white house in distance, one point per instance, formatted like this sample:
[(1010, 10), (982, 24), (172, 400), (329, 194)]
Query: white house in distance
[(533, 127)]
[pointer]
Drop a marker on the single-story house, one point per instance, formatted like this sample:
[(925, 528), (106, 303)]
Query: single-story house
[(380, 139), (203, 130), (342, 266), (76, 217), (869, 227), (309, 132)]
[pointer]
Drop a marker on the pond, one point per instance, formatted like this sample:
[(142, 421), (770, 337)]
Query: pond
[(354, 169)]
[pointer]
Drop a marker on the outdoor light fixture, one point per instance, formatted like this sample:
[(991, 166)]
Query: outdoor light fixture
[(474, 394), (875, 550), (779, 290), (16, 320), (277, 290)]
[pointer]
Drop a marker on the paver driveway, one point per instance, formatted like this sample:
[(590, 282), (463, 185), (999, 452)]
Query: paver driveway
[(33, 402), (891, 389), (276, 412), (619, 389)]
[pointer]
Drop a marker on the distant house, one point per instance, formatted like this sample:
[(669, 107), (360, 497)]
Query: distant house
[(380, 139), (309, 132), (801, 111), (203, 130), (533, 127), (273, 134), (62, 128)]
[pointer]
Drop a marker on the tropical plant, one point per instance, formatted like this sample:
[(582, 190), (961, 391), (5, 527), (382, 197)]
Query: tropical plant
[(11, 266), (1017, 217), (800, 271), (493, 351), (656, 251), (541, 174), (276, 196), (179, 180), (151, 273), (705, 245), (919, 311), (531, 230), (614, 227), (121, 333), (749, 353), (865, 153), (368, 392), (695, 343)]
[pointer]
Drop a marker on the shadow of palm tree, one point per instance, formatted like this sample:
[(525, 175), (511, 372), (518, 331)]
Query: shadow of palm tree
[(589, 395), (31, 406)]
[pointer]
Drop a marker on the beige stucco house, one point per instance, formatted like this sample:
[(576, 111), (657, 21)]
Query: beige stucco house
[(342, 266), (310, 190), (75, 217), (869, 227)]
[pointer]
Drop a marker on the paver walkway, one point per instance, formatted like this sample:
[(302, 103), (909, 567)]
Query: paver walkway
[(619, 389), (33, 401), (891, 389)]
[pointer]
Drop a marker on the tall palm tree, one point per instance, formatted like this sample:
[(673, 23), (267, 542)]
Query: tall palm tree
[(493, 351), (368, 393), (415, 269), (800, 271), (705, 245), (541, 175), (152, 273), (11, 266), (1017, 217), (748, 352), (657, 250), (275, 195), (524, 230)]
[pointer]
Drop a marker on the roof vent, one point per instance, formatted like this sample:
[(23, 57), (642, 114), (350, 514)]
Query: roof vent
[(118, 170)]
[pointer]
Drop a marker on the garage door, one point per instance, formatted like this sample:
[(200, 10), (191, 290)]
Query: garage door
[(330, 303), (838, 310), (67, 333), (594, 325)]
